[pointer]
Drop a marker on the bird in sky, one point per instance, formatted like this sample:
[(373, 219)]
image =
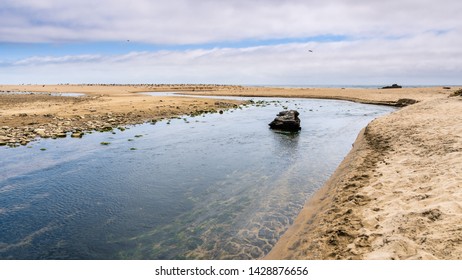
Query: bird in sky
[(310, 50)]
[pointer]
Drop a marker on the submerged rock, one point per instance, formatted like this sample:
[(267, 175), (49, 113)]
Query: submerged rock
[(286, 120)]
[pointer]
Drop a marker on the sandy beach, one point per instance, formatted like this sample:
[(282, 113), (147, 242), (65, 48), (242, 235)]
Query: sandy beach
[(25, 117), (395, 196)]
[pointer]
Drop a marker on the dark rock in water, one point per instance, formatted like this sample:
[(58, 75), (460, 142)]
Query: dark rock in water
[(392, 86), (286, 120)]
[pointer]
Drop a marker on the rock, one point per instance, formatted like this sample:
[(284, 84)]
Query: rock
[(392, 86), (77, 134), (286, 120), (4, 140), (106, 127), (403, 102), (40, 132)]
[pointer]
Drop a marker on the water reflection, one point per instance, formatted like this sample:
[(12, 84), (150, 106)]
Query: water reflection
[(286, 141), (212, 187)]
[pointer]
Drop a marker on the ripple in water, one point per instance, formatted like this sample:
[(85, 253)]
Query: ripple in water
[(211, 187)]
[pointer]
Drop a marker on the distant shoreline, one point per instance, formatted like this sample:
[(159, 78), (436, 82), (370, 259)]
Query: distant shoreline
[(215, 86), (373, 86)]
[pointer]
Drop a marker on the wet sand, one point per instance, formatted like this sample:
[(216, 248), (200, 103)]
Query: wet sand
[(25, 117), (395, 196)]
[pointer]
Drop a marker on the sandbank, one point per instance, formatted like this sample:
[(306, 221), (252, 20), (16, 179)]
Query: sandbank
[(397, 195)]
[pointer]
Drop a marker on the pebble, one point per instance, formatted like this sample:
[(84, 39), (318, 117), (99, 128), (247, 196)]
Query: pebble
[(59, 127), (77, 126), (77, 134)]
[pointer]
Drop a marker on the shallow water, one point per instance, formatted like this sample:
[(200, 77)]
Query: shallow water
[(217, 186)]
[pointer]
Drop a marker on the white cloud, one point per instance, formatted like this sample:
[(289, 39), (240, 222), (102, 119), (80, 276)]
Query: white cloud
[(42, 60), (187, 22), (425, 59), (406, 41)]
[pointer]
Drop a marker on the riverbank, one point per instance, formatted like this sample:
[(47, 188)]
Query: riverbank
[(37, 113), (363, 95), (395, 196)]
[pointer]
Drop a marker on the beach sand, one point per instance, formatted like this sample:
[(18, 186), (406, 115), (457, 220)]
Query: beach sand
[(24, 117), (397, 195), (99, 100)]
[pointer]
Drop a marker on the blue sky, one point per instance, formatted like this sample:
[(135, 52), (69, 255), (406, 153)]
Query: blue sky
[(15, 51), (231, 42)]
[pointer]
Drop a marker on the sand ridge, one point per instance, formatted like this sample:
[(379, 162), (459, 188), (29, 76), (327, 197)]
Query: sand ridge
[(417, 210), (395, 196)]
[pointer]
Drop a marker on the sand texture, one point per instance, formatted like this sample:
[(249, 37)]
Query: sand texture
[(26, 117), (397, 195)]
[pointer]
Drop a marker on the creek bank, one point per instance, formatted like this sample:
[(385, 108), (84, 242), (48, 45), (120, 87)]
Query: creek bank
[(393, 196), (52, 126)]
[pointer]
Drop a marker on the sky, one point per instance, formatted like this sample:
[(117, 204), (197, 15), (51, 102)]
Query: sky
[(258, 42)]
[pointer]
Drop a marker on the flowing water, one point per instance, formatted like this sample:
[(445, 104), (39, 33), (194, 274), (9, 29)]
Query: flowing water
[(217, 186)]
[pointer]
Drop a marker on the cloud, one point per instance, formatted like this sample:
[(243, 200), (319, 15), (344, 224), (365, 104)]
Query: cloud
[(42, 60), (205, 21), (429, 58), (406, 41)]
